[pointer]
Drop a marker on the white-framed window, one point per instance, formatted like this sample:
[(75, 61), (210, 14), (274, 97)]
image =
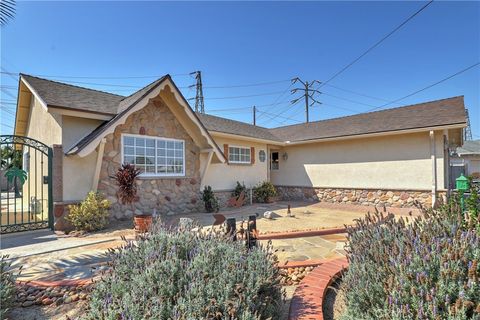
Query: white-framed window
[(154, 156), (239, 155)]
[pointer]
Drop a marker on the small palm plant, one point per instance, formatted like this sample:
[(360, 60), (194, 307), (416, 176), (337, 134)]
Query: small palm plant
[(15, 174)]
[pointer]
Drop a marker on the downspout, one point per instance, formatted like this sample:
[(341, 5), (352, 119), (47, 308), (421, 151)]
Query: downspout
[(98, 166), (434, 167)]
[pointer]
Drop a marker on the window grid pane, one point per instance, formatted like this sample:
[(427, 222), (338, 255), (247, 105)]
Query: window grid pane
[(154, 156), (239, 155)]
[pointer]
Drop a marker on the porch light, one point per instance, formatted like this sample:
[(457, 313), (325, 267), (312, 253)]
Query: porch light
[(285, 156)]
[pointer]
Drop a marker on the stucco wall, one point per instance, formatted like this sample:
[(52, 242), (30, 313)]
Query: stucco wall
[(44, 126), (75, 128), (163, 195), (75, 185), (222, 176), (397, 162)]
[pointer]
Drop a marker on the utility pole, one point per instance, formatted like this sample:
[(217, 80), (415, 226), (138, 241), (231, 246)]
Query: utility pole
[(199, 105), (308, 93), (254, 115)]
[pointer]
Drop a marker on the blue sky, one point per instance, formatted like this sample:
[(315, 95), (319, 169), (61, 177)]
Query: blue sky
[(247, 43)]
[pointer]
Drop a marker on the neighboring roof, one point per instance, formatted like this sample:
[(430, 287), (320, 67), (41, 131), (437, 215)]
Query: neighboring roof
[(437, 113), (213, 123), (57, 94), (471, 147)]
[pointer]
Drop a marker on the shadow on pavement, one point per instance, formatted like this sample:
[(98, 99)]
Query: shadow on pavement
[(26, 238)]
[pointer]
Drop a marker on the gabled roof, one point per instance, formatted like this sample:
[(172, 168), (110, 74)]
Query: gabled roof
[(57, 94), (433, 114), (437, 113), (217, 124), (471, 147)]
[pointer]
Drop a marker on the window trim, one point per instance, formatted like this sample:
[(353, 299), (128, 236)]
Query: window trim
[(240, 147), (156, 138)]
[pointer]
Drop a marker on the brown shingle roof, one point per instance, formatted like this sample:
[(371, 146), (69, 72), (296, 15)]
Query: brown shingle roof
[(57, 94), (429, 114), (213, 123)]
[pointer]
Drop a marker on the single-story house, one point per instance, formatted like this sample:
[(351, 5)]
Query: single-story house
[(466, 159), (390, 157)]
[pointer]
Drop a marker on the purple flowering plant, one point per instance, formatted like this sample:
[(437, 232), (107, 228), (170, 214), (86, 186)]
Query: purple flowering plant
[(424, 267)]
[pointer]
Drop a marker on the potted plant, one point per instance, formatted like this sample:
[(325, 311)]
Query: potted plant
[(126, 177)]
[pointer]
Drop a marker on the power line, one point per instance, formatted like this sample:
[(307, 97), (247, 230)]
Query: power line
[(96, 77), (281, 95), (427, 87), (377, 43), (245, 96), (247, 85), (355, 92), (349, 100), (6, 125), (275, 115)]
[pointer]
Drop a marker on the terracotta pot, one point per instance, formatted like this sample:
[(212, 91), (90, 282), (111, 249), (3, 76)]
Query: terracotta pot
[(142, 222)]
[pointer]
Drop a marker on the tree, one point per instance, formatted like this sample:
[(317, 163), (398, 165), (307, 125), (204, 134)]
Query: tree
[(7, 11)]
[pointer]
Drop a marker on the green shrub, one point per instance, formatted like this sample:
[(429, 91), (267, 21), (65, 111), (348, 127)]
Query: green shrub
[(91, 214), (178, 274), (264, 192), (210, 200), (7, 286), (426, 269), (239, 188)]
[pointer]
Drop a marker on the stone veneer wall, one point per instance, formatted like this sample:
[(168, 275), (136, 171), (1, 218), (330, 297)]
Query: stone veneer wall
[(224, 195), (387, 198), (165, 195)]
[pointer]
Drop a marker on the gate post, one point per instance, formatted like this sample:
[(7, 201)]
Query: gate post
[(50, 189), (58, 210)]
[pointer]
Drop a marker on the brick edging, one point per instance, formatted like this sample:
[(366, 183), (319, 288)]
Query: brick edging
[(307, 300), (299, 234)]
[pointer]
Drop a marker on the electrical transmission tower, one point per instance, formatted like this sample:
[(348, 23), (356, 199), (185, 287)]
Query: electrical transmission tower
[(467, 132), (199, 105), (308, 94)]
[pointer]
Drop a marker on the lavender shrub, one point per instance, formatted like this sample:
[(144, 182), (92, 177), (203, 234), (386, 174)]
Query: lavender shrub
[(178, 274), (427, 268)]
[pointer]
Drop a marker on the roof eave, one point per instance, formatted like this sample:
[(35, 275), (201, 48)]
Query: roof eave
[(380, 133)]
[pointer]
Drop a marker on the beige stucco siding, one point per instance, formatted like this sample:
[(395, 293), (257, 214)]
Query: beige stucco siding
[(75, 128), (77, 172), (44, 126), (388, 162), (222, 176), (78, 176)]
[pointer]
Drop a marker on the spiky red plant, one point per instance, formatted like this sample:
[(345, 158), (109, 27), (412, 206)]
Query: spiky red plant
[(125, 178)]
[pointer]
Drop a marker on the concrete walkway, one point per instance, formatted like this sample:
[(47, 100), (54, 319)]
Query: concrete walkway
[(45, 256)]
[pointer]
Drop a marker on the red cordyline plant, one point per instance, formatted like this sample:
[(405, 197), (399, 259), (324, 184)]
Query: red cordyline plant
[(125, 177)]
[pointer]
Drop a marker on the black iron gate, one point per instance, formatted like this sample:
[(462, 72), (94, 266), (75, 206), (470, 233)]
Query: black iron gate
[(26, 184)]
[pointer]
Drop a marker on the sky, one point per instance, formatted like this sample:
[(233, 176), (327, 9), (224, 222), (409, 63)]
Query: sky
[(248, 53)]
